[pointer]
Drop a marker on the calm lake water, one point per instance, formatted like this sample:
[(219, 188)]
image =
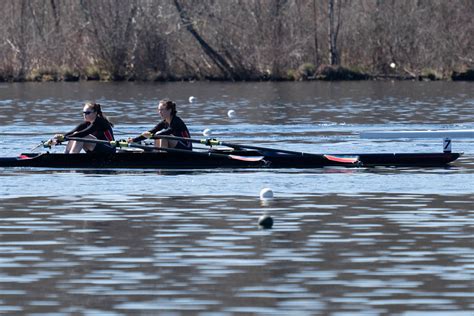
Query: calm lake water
[(145, 242)]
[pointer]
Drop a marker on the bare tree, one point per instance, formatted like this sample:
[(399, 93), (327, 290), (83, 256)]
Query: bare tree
[(214, 56), (111, 29), (232, 39), (17, 35), (334, 24), (316, 58)]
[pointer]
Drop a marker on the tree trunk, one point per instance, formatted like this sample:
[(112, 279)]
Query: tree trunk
[(277, 37), (316, 57), (22, 41), (226, 69), (56, 15), (332, 34)]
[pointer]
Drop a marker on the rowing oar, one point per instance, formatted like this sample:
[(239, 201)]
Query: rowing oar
[(43, 143), (122, 144), (46, 144), (263, 150)]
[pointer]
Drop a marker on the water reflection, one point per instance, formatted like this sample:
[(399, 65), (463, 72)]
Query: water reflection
[(373, 253), (285, 103), (358, 241)]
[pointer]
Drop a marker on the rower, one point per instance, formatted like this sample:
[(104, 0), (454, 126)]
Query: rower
[(95, 126), (171, 124)]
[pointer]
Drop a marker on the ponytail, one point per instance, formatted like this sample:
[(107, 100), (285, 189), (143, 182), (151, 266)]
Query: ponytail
[(170, 105), (98, 109)]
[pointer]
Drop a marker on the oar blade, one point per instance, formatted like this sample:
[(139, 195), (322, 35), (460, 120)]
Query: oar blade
[(246, 158), (343, 159)]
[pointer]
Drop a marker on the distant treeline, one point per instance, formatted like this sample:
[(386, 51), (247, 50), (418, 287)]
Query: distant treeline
[(43, 40)]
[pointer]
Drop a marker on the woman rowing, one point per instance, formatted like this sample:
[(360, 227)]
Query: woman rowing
[(95, 126), (171, 125)]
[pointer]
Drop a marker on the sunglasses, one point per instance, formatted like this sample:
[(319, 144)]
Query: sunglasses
[(87, 112)]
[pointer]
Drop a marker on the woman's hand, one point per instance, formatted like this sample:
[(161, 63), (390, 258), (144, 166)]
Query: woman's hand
[(147, 135), (58, 137)]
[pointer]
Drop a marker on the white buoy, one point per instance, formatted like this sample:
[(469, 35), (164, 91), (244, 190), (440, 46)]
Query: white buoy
[(207, 132), (266, 194), (231, 114), (392, 65), (192, 99)]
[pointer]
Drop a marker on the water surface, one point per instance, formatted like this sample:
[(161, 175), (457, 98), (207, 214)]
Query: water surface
[(138, 242)]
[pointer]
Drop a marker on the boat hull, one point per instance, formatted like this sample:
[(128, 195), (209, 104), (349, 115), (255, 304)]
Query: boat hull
[(163, 160)]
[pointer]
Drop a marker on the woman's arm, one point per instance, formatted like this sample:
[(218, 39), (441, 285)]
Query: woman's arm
[(155, 129), (83, 129), (79, 128)]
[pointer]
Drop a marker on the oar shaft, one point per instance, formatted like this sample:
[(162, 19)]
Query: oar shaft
[(171, 137), (264, 150), (93, 141), (169, 150), (197, 153), (238, 146), (214, 142)]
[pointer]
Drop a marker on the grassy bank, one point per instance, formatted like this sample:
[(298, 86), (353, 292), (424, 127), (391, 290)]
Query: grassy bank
[(308, 72)]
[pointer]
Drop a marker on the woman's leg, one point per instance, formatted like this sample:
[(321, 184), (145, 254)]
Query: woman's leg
[(69, 146), (74, 147), (165, 143), (89, 146), (159, 142)]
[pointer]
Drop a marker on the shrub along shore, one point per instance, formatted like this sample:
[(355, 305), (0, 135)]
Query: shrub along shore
[(306, 73)]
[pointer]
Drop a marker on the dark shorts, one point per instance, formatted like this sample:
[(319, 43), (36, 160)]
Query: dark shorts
[(103, 149), (181, 145)]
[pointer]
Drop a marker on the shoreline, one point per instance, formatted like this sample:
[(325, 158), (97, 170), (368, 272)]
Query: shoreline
[(323, 73)]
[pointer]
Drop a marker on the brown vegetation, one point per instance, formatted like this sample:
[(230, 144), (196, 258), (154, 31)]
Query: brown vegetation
[(235, 39)]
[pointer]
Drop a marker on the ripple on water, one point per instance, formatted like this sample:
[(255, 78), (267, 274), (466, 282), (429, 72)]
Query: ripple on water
[(327, 252)]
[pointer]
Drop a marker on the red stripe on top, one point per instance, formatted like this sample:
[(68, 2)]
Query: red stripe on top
[(185, 142), (108, 135)]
